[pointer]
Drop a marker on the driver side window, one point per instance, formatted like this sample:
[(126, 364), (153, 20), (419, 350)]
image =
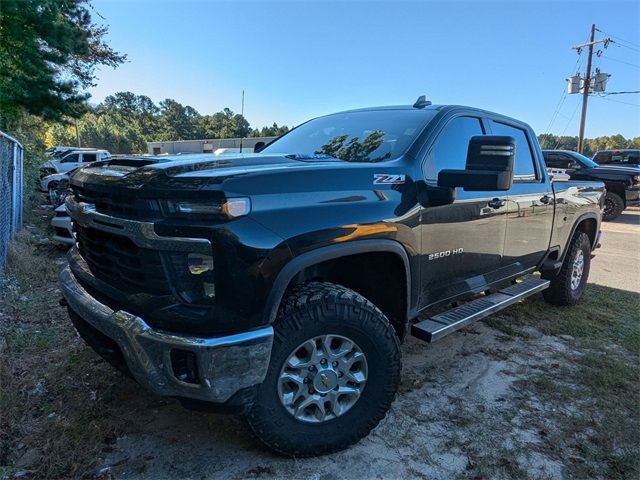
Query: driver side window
[(450, 148)]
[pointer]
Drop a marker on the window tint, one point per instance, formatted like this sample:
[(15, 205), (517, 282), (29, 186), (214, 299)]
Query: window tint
[(524, 167), (450, 148), (71, 158), (88, 157), (618, 156), (557, 160)]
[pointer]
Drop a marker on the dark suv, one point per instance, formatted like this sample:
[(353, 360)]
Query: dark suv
[(622, 182)]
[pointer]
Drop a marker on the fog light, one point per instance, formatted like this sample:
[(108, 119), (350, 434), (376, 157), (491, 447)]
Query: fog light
[(185, 366), (199, 264)]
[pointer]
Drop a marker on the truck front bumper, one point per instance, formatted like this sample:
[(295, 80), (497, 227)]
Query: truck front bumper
[(632, 197), (224, 365)]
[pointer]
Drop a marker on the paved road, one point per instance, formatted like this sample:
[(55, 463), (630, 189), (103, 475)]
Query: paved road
[(617, 263)]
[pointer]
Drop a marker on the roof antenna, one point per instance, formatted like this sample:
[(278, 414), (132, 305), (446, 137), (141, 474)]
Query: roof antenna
[(421, 102)]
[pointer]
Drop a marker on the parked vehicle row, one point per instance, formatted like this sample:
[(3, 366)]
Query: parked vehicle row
[(280, 284), (622, 182)]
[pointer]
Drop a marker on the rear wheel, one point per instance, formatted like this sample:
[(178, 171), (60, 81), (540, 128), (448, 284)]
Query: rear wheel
[(567, 287), (334, 372), (613, 206)]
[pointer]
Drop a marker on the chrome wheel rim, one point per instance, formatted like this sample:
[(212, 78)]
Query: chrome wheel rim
[(577, 270), (322, 378)]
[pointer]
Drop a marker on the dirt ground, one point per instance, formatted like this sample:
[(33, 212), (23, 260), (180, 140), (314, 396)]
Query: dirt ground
[(535, 392)]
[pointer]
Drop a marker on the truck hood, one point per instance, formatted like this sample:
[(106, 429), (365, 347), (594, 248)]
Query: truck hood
[(235, 174), (631, 169)]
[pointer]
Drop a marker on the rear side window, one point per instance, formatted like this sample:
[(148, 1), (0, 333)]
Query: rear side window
[(88, 157), (71, 158), (524, 168), (629, 157), (557, 160), (450, 148)]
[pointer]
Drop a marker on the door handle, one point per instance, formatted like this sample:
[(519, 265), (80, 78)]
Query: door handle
[(546, 199), (497, 203)]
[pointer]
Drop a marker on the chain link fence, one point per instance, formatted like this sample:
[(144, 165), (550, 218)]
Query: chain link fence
[(11, 193)]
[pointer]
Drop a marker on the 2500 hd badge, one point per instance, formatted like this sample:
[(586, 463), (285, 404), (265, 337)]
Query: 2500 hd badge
[(446, 253)]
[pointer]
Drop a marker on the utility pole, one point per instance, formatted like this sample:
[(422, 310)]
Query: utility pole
[(242, 115), (77, 134), (584, 84), (586, 89)]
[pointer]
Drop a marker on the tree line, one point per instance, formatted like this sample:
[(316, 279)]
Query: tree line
[(124, 122), (591, 145)]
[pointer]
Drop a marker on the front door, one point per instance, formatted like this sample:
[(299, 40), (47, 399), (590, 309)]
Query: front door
[(462, 242)]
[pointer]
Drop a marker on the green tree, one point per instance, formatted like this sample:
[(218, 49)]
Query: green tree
[(177, 122), (224, 124), (49, 50), (273, 131)]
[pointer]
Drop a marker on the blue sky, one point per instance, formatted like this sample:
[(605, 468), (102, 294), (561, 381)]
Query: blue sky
[(300, 59)]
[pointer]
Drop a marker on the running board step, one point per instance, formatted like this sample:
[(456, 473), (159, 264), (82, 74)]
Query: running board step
[(436, 327)]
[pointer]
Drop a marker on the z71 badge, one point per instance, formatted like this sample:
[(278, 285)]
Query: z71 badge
[(387, 179)]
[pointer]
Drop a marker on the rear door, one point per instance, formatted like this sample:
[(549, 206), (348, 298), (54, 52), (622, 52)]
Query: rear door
[(530, 202), (69, 162), (88, 157), (462, 242)]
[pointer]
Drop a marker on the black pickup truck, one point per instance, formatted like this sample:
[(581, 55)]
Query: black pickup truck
[(621, 182), (280, 284)]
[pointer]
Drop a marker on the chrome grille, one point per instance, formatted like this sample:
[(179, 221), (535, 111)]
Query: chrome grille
[(118, 261), (118, 205)]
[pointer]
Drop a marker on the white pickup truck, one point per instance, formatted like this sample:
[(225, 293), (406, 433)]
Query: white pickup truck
[(71, 160)]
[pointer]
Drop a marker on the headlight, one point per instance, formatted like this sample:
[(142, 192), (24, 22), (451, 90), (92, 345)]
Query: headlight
[(636, 181), (231, 208)]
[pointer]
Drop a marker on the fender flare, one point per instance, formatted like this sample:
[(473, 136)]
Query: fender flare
[(580, 219), (331, 252)]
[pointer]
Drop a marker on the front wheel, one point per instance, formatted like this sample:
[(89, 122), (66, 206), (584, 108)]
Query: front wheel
[(567, 287), (334, 372)]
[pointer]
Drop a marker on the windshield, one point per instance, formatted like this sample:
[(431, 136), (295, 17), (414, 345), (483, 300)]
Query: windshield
[(367, 136), (586, 161)]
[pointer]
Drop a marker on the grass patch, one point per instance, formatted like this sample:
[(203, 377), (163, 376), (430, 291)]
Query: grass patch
[(604, 313)]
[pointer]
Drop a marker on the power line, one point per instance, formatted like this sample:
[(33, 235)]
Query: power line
[(620, 61), (575, 110), (563, 96), (625, 46), (604, 94), (619, 101), (619, 38)]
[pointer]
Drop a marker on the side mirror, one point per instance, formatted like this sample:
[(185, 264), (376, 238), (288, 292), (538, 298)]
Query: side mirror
[(489, 167), (258, 146)]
